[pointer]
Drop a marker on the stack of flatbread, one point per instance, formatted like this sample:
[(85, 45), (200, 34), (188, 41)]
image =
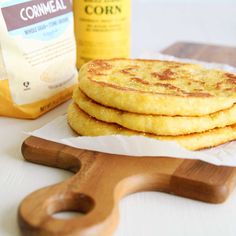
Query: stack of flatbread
[(172, 101)]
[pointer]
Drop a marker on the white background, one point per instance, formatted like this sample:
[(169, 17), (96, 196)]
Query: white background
[(156, 24)]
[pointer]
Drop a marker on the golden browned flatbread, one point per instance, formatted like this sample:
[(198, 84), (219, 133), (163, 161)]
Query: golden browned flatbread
[(155, 124), (158, 87), (86, 125)]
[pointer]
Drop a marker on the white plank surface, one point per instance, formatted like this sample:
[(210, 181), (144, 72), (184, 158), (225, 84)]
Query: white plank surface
[(155, 26)]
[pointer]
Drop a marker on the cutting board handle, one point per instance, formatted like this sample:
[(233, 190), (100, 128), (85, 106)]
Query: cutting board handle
[(37, 210), (101, 180)]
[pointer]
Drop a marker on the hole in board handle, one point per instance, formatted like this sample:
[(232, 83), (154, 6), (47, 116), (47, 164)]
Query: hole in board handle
[(66, 215), (70, 205)]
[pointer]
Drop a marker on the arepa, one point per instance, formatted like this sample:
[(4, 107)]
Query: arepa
[(158, 87), (156, 124), (86, 125)]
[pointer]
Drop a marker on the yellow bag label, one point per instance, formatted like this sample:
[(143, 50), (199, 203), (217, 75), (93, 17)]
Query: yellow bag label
[(37, 56), (102, 29)]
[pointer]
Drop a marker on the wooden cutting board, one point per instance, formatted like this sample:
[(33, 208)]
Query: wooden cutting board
[(101, 180)]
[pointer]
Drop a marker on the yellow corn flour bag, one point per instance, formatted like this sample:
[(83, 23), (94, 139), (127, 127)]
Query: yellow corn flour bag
[(37, 56)]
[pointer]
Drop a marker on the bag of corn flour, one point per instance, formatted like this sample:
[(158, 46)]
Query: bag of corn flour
[(37, 56)]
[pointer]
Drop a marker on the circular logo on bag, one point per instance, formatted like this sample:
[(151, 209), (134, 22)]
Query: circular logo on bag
[(26, 85)]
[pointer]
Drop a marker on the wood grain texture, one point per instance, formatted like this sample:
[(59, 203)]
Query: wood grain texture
[(101, 180), (209, 53)]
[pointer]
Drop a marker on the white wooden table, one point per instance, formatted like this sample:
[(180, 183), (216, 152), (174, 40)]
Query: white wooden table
[(145, 214)]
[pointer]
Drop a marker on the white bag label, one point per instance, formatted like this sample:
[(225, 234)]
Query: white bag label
[(38, 48)]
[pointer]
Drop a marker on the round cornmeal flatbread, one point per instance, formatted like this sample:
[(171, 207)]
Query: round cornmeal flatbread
[(159, 125), (158, 87), (86, 125)]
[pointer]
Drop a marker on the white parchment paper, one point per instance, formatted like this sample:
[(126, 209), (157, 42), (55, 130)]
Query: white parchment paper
[(59, 131)]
